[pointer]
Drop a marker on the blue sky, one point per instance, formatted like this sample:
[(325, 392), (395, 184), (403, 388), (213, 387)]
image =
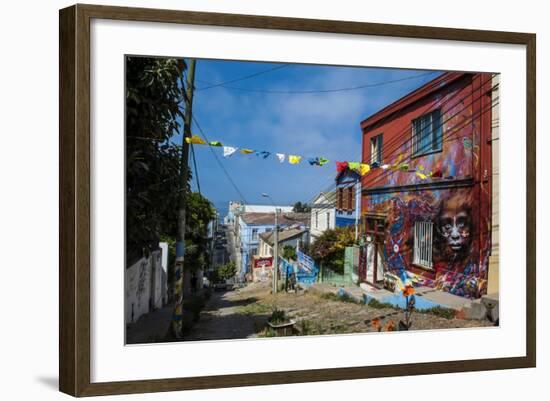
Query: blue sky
[(313, 124)]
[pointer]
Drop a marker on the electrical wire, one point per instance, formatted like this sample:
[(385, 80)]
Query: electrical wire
[(408, 127), (387, 172), (219, 161), (216, 85), (314, 91)]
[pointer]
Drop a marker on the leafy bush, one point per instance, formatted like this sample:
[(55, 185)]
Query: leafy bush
[(289, 252), (227, 271), (330, 247)]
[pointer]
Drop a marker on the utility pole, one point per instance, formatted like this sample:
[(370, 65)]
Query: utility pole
[(276, 253), (177, 317), (357, 205)]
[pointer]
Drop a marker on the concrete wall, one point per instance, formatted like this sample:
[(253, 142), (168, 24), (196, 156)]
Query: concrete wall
[(145, 286)]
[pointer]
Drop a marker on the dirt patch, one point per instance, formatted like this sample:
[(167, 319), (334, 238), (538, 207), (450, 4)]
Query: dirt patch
[(326, 313)]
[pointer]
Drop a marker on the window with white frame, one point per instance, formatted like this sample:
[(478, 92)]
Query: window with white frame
[(376, 149), (423, 243), (427, 133)]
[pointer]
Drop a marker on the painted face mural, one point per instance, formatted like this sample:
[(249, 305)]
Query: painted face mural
[(454, 225)]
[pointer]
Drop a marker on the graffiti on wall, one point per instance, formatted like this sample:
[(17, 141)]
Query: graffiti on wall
[(458, 254)]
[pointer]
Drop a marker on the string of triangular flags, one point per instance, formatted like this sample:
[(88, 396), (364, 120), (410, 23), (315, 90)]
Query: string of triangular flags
[(360, 168)]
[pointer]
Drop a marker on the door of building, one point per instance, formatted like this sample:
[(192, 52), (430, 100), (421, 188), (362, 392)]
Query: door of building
[(374, 257)]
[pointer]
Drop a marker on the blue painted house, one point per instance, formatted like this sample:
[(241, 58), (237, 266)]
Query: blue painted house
[(348, 198)]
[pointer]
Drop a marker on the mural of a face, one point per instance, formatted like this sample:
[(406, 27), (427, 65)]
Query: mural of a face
[(454, 224)]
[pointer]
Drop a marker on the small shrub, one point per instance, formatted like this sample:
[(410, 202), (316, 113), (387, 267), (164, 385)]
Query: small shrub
[(376, 304), (278, 316), (440, 312)]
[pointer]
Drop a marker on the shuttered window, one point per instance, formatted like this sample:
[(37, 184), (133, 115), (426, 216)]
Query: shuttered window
[(423, 242), (351, 198), (344, 198), (340, 200)]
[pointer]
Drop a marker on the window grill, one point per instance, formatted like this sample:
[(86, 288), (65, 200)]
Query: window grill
[(423, 244)]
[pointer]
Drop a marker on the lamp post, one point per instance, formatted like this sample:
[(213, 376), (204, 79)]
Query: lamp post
[(275, 247)]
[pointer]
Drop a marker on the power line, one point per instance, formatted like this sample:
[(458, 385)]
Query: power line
[(216, 85), (408, 127), (430, 85), (312, 91), (219, 162), (387, 172), (408, 143)]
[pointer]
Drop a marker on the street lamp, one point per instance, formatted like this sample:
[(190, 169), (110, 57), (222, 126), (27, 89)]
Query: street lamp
[(275, 246)]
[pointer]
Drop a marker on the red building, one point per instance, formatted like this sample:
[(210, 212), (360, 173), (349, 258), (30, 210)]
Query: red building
[(426, 203)]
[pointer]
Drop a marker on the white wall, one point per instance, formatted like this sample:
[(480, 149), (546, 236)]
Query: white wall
[(28, 211), (266, 209), (322, 217), (145, 280)]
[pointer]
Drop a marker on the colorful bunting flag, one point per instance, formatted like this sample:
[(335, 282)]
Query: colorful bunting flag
[(263, 154), (195, 140), (385, 166), (404, 167), (229, 150), (247, 151), (354, 166), (294, 159), (215, 143), (364, 169), (281, 157), (317, 161), (341, 166)]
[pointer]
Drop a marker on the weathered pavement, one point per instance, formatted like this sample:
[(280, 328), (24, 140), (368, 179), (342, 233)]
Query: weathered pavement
[(151, 327), (222, 318)]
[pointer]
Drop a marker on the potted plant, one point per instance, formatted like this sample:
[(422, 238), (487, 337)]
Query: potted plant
[(280, 323)]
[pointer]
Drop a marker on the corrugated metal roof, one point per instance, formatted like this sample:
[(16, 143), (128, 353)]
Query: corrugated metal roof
[(283, 235), (286, 219)]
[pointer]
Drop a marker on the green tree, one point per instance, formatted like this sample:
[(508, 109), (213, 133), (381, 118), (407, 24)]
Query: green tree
[(289, 252), (153, 109), (227, 271), (329, 248), (199, 212), (300, 207)]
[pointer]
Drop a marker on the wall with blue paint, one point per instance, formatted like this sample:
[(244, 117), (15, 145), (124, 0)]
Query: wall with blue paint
[(249, 242), (345, 180)]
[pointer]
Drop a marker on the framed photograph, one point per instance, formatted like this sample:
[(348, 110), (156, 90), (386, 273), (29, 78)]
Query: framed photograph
[(250, 200)]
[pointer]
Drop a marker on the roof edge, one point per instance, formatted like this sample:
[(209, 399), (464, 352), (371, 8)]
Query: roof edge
[(429, 87)]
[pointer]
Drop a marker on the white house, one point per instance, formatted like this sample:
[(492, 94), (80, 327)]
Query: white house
[(323, 214)]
